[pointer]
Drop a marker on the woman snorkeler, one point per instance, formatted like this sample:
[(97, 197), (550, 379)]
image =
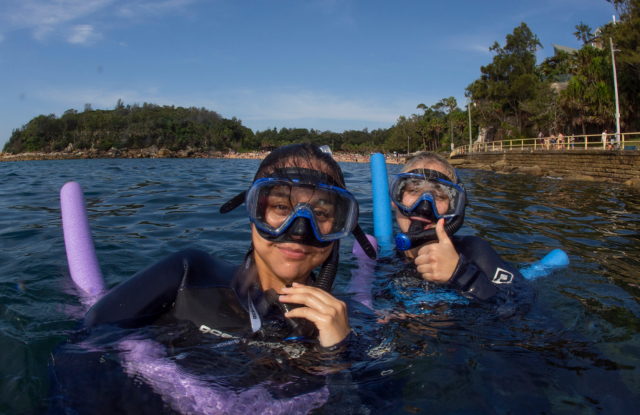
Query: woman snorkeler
[(299, 210)]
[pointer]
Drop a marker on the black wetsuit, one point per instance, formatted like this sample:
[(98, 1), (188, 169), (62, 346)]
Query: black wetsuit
[(191, 301), (481, 274)]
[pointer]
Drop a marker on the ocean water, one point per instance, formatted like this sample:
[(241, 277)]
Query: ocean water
[(573, 348)]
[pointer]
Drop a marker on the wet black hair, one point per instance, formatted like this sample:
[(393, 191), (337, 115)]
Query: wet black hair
[(305, 155)]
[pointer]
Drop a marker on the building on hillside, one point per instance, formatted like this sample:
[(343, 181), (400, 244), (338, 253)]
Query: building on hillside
[(567, 49)]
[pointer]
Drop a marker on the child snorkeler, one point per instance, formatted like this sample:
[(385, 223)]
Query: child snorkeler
[(430, 202)]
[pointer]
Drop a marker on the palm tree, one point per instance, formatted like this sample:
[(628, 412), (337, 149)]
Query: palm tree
[(583, 32)]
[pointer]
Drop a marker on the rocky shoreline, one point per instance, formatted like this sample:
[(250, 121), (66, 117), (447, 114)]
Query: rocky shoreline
[(155, 152)]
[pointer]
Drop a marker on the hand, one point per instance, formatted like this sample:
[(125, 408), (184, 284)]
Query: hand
[(437, 261), (322, 309)]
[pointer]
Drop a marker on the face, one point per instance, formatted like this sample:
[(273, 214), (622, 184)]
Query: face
[(282, 263), (413, 190)]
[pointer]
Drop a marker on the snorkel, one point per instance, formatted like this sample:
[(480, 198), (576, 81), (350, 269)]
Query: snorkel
[(425, 208)]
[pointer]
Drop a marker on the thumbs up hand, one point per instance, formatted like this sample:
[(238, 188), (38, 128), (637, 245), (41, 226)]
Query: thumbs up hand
[(437, 261)]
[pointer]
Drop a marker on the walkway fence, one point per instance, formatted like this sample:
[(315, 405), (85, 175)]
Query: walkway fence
[(625, 141)]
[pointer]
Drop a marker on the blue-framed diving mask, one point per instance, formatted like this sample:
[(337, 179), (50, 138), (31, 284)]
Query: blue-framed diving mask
[(274, 205), (427, 196)]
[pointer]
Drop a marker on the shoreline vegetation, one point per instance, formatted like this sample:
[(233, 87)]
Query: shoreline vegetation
[(514, 98)]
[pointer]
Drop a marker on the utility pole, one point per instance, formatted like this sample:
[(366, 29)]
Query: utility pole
[(615, 85), (469, 108)]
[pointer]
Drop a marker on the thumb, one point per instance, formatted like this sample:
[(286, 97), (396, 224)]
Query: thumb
[(442, 235)]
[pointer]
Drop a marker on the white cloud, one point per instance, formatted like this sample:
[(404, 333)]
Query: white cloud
[(82, 34), (49, 17), (146, 8), (43, 17)]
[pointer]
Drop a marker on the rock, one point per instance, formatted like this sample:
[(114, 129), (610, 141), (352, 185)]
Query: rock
[(69, 148), (633, 182), (153, 150), (457, 162), (533, 170), (164, 152), (145, 152), (579, 177)]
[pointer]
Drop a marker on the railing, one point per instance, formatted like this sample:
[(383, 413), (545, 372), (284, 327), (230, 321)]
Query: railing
[(625, 141)]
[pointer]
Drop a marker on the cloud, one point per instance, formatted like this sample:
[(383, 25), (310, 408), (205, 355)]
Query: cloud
[(147, 8), (49, 17), (43, 17), (82, 34)]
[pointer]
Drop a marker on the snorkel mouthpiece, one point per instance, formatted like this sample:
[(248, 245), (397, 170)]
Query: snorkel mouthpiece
[(406, 241)]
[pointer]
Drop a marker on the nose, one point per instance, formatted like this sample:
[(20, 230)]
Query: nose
[(300, 228)]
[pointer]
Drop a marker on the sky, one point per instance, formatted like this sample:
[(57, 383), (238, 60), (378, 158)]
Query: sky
[(321, 64)]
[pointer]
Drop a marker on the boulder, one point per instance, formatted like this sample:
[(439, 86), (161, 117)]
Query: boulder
[(579, 177), (153, 150), (532, 170), (69, 148), (633, 182), (164, 152), (457, 162)]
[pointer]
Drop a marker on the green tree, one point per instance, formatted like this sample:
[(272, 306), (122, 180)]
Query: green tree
[(583, 31), (511, 78)]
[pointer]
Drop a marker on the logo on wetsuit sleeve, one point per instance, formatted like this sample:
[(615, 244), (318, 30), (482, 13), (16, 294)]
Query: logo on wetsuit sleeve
[(502, 277)]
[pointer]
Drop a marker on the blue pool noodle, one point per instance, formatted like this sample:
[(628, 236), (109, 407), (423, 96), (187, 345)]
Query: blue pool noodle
[(382, 225), (554, 259)]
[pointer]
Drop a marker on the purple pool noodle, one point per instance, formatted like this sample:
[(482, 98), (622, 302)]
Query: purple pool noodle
[(191, 394), (81, 254), (361, 278)]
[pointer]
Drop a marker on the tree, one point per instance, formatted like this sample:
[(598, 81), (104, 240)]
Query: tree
[(583, 31), (87, 107), (511, 78)]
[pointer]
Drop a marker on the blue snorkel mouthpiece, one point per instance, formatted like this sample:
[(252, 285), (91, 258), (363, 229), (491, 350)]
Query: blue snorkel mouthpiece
[(403, 242)]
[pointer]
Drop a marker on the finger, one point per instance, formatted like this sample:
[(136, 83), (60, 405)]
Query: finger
[(309, 301), (313, 316), (425, 269), (442, 234), (316, 292), (427, 249)]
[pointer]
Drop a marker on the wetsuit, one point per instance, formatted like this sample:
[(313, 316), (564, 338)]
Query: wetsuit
[(192, 304), (481, 274)]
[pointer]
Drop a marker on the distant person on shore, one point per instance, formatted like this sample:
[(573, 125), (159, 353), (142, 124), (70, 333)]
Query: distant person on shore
[(572, 141), (430, 200), (560, 141), (604, 139), (541, 138), (552, 141)]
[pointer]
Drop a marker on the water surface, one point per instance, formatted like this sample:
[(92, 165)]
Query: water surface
[(575, 348)]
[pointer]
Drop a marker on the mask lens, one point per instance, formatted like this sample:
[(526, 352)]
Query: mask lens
[(445, 197), (279, 203)]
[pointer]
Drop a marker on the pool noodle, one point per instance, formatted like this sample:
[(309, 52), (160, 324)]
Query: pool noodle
[(362, 277), (81, 253), (553, 260), (382, 225)]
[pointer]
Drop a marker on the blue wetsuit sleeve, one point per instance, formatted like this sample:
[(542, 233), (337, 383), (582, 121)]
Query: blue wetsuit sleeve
[(481, 273)]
